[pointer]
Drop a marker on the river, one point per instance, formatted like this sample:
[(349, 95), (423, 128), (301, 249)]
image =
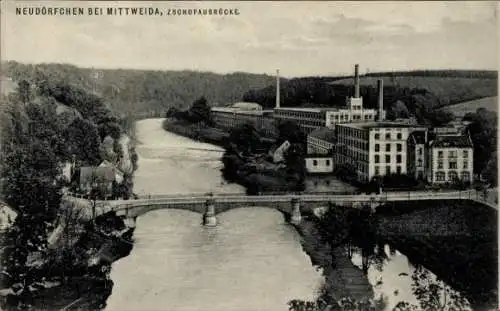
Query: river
[(252, 260)]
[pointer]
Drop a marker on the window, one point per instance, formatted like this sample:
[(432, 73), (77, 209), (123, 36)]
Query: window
[(327, 162), (399, 136), (440, 154), (420, 151), (398, 158), (440, 164), (377, 147), (466, 153), (465, 176), (387, 147), (466, 165), (399, 147), (315, 162), (377, 136), (452, 176), (377, 171), (388, 136), (398, 169), (387, 170), (377, 158), (387, 159), (419, 163), (440, 176), (452, 154), (452, 165)]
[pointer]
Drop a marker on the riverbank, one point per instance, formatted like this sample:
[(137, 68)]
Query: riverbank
[(197, 132), (78, 274), (462, 250), (235, 169), (341, 277)]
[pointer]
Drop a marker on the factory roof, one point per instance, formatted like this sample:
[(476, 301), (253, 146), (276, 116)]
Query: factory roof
[(247, 106), (374, 125), (324, 133)]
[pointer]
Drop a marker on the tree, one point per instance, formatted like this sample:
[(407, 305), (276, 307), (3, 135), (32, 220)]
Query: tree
[(398, 110), (245, 138), (433, 295), (82, 140), (24, 91), (483, 131), (200, 111)]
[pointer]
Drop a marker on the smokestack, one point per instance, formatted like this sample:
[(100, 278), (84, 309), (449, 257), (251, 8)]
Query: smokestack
[(380, 87), (356, 81), (277, 88)]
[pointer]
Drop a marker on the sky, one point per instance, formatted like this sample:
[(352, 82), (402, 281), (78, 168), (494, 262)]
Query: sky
[(299, 38)]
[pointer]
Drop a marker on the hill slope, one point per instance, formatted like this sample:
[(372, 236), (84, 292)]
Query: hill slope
[(145, 90), (459, 110)]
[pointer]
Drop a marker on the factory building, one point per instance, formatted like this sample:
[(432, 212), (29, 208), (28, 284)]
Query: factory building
[(321, 141), (312, 118), (374, 148), (228, 118)]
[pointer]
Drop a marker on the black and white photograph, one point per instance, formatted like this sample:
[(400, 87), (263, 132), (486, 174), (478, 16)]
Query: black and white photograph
[(249, 155)]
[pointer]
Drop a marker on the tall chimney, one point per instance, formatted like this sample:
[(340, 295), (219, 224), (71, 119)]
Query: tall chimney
[(356, 81), (380, 87), (277, 88)]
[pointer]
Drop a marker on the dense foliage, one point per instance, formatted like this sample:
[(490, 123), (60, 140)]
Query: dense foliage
[(146, 91), (483, 130), (37, 140)]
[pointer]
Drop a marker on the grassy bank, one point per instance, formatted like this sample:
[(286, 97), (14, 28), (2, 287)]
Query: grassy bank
[(196, 132), (341, 277)]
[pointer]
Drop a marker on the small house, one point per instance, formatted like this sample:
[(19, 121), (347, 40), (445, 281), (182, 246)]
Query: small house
[(7, 216)]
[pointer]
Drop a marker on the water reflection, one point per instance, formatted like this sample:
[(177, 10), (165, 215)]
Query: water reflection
[(402, 284)]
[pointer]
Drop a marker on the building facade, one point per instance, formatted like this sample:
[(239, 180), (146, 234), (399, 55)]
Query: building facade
[(310, 119), (319, 164), (228, 118), (450, 158), (373, 148), (416, 156), (321, 141)]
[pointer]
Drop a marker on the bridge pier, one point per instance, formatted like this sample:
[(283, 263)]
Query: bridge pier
[(209, 218), (296, 216)]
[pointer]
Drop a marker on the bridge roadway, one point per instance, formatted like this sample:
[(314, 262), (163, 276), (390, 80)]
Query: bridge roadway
[(283, 202)]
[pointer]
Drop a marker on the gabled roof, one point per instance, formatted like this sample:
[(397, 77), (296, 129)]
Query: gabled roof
[(324, 133), (452, 141), (89, 174)]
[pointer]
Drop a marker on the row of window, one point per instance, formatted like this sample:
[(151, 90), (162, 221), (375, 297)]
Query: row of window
[(320, 142), (399, 147), (327, 162), (452, 165), (452, 176), (388, 158), (388, 136), (453, 154), (378, 170)]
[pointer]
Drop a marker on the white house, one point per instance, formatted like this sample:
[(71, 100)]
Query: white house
[(7, 216)]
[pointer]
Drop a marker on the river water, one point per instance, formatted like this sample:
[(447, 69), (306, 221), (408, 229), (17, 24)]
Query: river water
[(252, 260)]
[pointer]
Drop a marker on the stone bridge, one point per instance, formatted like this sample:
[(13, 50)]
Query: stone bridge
[(209, 205)]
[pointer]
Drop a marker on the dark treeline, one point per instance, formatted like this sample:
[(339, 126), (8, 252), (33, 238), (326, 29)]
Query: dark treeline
[(141, 91), (443, 73), (144, 91)]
